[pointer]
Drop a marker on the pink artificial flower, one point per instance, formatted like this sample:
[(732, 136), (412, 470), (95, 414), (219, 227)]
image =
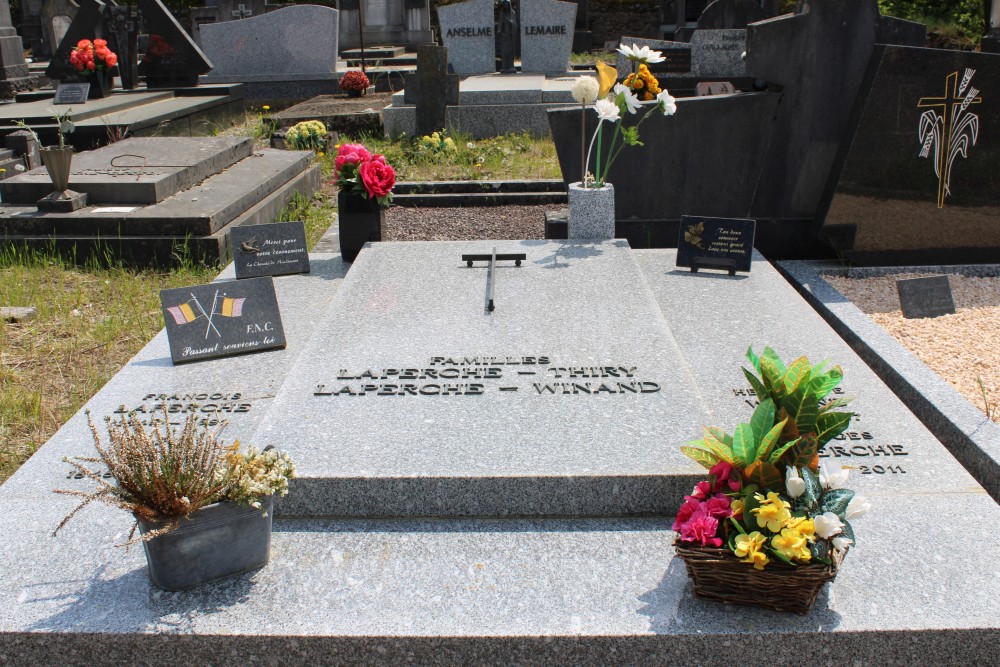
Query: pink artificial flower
[(378, 176), (701, 491), (701, 528), (725, 472), (351, 154), (719, 506), (684, 513)]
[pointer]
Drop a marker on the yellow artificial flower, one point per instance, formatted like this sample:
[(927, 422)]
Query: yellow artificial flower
[(803, 526), (320, 154), (749, 549), (266, 108), (736, 506), (791, 544), (606, 77), (772, 513)]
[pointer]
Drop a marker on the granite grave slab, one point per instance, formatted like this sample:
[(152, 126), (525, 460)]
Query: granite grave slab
[(136, 170), (270, 250), (296, 41), (546, 36), (409, 368), (467, 31)]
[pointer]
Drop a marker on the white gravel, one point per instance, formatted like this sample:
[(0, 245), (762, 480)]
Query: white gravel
[(962, 348)]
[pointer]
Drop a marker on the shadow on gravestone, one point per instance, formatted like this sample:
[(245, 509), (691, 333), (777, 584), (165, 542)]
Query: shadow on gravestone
[(172, 59), (87, 24)]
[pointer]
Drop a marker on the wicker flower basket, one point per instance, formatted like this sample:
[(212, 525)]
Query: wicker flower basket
[(717, 574)]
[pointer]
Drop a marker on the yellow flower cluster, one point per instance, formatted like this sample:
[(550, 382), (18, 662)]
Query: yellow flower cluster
[(434, 142), (643, 84), (792, 534), (307, 135), (750, 549)]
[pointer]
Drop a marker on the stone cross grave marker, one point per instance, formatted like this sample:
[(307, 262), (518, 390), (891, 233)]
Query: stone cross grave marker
[(431, 88)]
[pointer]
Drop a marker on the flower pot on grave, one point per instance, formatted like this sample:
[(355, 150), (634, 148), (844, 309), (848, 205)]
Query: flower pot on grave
[(353, 92), (591, 212), (359, 221), (57, 162), (219, 540), (101, 83)]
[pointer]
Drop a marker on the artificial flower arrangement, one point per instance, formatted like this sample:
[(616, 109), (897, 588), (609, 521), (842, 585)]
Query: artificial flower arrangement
[(614, 102), (354, 81), (359, 172), (437, 143), (92, 56), (307, 135), (771, 524)]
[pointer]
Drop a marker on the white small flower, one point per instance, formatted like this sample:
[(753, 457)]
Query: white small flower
[(832, 475), (19, 167), (470, 145), (667, 103), (585, 90), (793, 482), (857, 508), (841, 543), (607, 110), (67, 126), (631, 99), (827, 524), (642, 54)]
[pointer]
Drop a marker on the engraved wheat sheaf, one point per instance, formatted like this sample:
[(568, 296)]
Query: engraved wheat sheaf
[(949, 128)]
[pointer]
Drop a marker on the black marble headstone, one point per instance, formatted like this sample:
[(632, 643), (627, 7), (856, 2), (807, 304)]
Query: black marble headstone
[(172, 59), (87, 24), (728, 14), (274, 249), (925, 297), (918, 180), (676, 60), (715, 243), (222, 319)]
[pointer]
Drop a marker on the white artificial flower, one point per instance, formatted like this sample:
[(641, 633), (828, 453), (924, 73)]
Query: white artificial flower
[(827, 524), (641, 54), (631, 100), (67, 126), (857, 508), (667, 103), (585, 90), (841, 543), (832, 475), (793, 482), (606, 110)]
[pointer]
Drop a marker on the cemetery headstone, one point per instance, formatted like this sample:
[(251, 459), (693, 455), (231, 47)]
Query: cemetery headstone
[(274, 249), (222, 319), (710, 53), (917, 180), (467, 33), (71, 93), (715, 243), (293, 41), (14, 74), (56, 18), (172, 58), (546, 35), (925, 297), (123, 31), (431, 88), (728, 14), (87, 24)]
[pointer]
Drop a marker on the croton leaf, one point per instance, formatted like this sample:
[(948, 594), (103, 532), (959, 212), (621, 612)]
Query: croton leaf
[(772, 373), (796, 374), (763, 474), (780, 452), (802, 454), (750, 503), (770, 439), (836, 501), (753, 358), (824, 384), (827, 406), (831, 424), (803, 408), (721, 436), (757, 385), (713, 444), (744, 446), (762, 421), (702, 456)]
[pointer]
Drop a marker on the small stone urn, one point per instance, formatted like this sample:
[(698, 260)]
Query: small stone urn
[(591, 212)]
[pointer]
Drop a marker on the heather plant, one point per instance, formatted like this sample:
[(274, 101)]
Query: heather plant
[(162, 474)]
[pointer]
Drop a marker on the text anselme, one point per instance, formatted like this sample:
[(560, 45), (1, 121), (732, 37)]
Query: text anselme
[(485, 31)]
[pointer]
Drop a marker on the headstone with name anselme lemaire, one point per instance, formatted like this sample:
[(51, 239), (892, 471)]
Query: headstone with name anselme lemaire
[(222, 319), (715, 243), (274, 249), (71, 93), (546, 35), (467, 31), (925, 297)]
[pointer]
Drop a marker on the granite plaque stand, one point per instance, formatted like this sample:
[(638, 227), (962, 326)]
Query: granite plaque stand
[(14, 75)]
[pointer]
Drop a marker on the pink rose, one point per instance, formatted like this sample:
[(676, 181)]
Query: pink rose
[(701, 528), (719, 506), (351, 154), (378, 176), (684, 513)]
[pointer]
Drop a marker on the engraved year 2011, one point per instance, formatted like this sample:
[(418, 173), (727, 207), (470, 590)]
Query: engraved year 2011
[(881, 470)]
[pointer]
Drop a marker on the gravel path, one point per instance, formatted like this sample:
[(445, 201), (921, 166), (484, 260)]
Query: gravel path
[(459, 224), (960, 347)]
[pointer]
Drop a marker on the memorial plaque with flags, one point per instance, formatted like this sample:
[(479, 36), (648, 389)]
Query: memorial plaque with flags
[(222, 319)]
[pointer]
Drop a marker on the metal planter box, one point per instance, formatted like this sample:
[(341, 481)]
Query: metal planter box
[(217, 541)]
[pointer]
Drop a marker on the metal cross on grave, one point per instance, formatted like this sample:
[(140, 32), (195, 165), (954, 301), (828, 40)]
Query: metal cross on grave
[(490, 271), (432, 88), (242, 11)]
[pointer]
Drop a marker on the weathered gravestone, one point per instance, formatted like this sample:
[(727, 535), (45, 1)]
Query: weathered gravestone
[(467, 33), (546, 36), (918, 179), (14, 75), (56, 18), (298, 41), (87, 24), (431, 88), (710, 53)]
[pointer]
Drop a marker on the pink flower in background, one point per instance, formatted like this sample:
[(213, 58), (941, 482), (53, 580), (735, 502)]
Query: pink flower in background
[(701, 491), (351, 154)]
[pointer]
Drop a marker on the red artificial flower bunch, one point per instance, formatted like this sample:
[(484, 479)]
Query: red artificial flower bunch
[(90, 56), (354, 80), (699, 517), (358, 171)]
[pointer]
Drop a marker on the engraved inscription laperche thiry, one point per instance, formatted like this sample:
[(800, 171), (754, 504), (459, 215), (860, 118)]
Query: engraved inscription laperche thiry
[(538, 375)]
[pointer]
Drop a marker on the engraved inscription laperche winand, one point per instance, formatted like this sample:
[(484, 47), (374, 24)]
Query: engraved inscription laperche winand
[(536, 375), (852, 446)]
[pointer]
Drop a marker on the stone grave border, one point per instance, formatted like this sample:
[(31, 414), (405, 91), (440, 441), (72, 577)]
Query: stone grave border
[(970, 437)]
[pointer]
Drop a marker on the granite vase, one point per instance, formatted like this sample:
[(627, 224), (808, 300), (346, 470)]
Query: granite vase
[(218, 540), (100, 84), (591, 212), (57, 162), (359, 221)]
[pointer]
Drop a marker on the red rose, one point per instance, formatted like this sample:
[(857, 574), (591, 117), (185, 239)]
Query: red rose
[(378, 176), (111, 60)]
